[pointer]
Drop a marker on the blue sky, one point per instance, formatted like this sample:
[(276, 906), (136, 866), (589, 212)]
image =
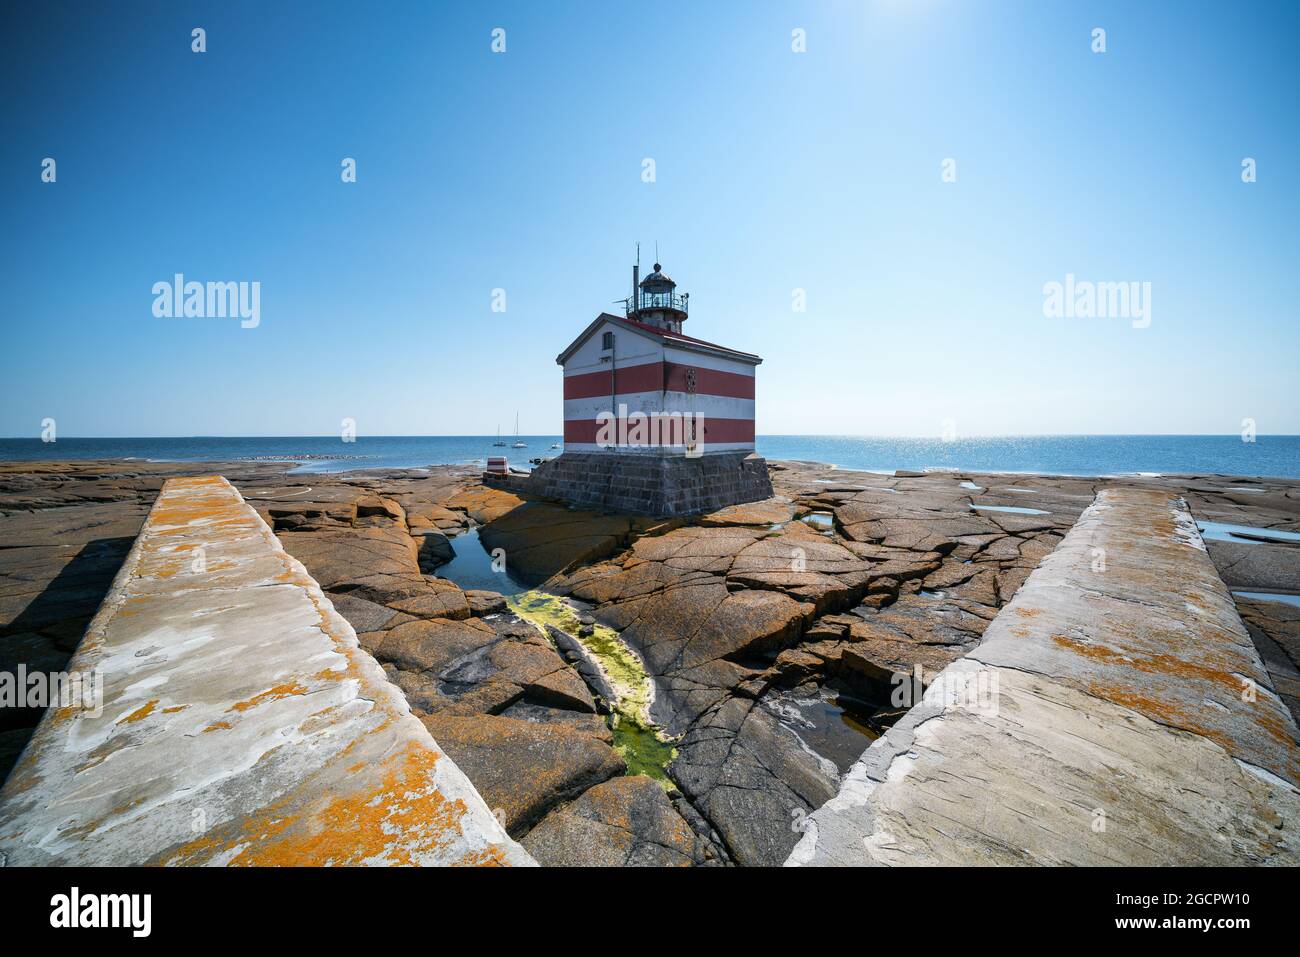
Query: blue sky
[(775, 171)]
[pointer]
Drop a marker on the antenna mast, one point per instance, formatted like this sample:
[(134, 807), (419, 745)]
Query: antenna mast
[(634, 303)]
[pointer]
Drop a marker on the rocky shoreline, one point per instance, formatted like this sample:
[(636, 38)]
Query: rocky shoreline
[(773, 632)]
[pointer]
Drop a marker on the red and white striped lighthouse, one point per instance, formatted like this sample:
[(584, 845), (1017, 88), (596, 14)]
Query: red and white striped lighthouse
[(656, 422), (637, 384)]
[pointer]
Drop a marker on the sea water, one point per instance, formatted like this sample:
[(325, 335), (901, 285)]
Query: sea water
[(1268, 455)]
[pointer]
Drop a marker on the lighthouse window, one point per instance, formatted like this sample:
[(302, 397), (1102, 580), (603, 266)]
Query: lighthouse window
[(607, 341)]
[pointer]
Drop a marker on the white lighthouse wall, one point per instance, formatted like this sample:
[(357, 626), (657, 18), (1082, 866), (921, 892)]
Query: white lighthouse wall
[(701, 360), (629, 349)]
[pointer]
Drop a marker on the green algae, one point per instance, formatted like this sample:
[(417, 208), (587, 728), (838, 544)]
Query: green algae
[(643, 745)]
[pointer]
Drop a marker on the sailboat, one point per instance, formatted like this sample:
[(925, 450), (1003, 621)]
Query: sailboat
[(518, 444), (498, 443)]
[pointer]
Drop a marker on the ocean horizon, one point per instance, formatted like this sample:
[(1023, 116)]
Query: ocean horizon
[(1275, 456)]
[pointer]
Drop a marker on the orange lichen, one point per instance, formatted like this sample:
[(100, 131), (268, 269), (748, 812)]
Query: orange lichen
[(394, 822), (218, 726), (140, 713), (491, 856), (271, 694), (1162, 712), (1151, 664), (1221, 664), (1271, 721)]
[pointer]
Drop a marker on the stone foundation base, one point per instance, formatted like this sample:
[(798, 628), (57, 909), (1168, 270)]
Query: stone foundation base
[(645, 484)]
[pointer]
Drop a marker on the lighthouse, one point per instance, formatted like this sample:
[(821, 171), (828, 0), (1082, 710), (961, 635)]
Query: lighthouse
[(656, 422)]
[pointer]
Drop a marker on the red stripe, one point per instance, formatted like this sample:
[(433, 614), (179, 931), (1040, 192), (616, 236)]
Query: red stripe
[(584, 431), (731, 385), (658, 377), (646, 377)]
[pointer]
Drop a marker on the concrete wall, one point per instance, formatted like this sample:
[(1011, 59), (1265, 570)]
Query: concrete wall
[(240, 722), (1115, 713)]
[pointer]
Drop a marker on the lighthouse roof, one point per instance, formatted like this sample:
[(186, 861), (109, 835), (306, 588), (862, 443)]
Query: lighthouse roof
[(663, 336), (658, 276)]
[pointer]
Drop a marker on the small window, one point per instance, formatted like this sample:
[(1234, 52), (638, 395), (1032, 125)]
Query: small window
[(607, 341)]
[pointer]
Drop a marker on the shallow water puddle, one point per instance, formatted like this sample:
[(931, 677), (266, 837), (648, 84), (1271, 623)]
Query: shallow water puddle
[(820, 520), (1225, 532), (1268, 596), (473, 568), (832, 724), (1015, 509)]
